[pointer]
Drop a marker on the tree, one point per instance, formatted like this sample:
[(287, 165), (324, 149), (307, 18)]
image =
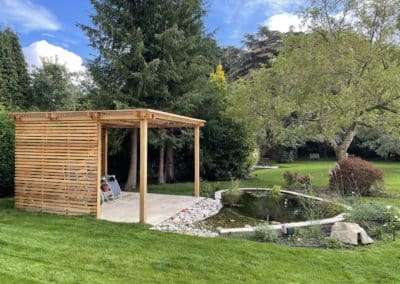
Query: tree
[(218, 79), (339, 76), (226, 142), (6, 154), (269, 117), (260, 50), (380, 141), (150, 53), (14, 78), (54, 88)]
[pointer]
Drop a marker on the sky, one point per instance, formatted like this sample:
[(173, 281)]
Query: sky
[(48, 28)]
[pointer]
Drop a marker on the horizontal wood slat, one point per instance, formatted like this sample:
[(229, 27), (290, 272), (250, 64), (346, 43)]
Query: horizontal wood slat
[(56, 166)]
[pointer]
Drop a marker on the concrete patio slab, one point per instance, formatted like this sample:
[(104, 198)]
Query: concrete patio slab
[(159, 207)]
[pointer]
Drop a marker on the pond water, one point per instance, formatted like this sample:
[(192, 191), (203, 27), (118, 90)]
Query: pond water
[(253, 207)]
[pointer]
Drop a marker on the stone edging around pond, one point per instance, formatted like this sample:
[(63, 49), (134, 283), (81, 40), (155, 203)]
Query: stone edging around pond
[(338, 218)]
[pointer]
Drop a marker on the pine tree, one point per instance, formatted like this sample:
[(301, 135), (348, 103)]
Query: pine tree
[(260, 50), (150, 54), (14, 78)]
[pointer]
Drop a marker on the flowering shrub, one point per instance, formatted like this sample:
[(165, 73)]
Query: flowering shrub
[(354, 175)]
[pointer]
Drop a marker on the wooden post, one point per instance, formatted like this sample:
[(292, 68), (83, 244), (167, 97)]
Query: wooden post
[(98, 169), (105, 151), (143, 170), (197, 161)]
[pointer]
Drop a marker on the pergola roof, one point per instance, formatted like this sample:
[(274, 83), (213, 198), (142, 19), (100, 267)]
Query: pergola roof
[(127, 118)]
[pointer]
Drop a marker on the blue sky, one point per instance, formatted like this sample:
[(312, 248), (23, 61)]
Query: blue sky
[(49, 27)]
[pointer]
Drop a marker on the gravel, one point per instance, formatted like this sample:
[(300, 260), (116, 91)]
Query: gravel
[(184, 221)]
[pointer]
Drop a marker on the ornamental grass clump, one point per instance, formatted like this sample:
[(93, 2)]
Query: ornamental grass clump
[(265, 233), (356, 176), (370, 212)]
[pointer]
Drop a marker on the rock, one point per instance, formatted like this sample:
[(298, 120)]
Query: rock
[(184, 221), (350, 233)]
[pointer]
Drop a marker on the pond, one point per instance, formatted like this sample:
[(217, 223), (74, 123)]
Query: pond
[(252, 207)]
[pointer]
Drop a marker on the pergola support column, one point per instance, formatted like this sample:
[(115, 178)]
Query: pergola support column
[(98, 165), (143, 170), (197, 161), (104, 149)]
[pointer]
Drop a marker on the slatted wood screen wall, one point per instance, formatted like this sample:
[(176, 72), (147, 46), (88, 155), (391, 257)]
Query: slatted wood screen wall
[(57, 166)]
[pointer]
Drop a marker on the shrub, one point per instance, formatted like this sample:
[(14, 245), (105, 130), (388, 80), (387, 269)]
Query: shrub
[(376, 232), (314, 209), (6, 155), (253, 158), (265, 233), (227, 146), (330, 242), (304, 182), (356, 176), (285, 154), (276, 191), (368, 212), (290, 178), (313, 233), (208, 189)]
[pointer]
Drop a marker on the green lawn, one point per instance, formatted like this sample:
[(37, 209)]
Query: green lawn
[(49, 248), (319, 170)]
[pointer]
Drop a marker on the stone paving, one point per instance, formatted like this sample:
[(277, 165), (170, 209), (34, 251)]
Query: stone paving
[(159, 207)]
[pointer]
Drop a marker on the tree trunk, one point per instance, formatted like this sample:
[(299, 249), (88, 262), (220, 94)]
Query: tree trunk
[(161, 176), (340, 153), (341, 149), (132, 176), (170, 175)]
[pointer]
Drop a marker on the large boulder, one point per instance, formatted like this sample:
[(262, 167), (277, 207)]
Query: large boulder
[(350, 233)]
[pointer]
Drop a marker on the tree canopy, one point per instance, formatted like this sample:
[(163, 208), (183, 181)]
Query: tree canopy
[(149, 52), (259, 50), (54, 87), (14, 78), (340, 75)]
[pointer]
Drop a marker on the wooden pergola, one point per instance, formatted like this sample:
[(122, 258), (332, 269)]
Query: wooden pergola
[(61, 156)]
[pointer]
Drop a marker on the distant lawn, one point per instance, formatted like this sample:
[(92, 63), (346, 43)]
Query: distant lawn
[(46, 248), (319, 170)]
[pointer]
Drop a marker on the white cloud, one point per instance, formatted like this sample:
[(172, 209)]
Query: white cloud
[(269, 6), (27, 16), (42, 49), (283, 22)]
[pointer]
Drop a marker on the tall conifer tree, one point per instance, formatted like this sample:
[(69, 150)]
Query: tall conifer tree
[(14, 78), (150, 54)]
